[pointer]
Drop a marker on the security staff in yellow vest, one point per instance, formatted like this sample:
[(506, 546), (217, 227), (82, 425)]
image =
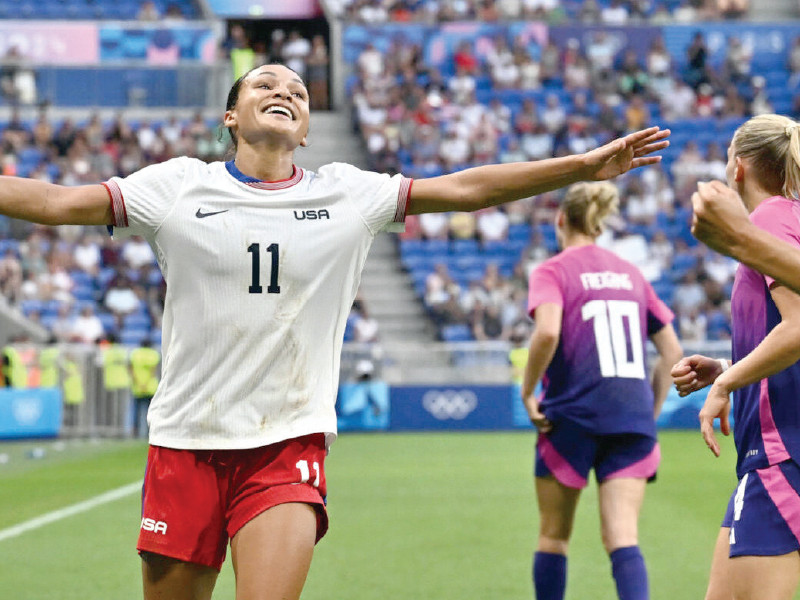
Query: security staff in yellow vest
[(48, 367), (144, 374), (14, 374), (116, 412)]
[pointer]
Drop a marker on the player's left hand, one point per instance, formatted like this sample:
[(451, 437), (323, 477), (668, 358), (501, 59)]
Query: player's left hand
[(717, 405), (626, 153), (541, 422)]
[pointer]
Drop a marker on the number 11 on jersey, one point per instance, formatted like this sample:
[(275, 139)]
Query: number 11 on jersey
[(255, 285)]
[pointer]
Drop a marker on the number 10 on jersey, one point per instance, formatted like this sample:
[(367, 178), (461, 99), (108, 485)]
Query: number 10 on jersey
[(255, 284), (613, 339)]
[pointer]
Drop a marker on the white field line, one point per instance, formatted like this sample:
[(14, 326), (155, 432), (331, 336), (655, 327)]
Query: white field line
[(68, 511)]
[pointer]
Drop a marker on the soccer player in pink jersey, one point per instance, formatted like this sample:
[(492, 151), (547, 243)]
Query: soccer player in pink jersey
[(594, 312), (262, 261), (756, 554)]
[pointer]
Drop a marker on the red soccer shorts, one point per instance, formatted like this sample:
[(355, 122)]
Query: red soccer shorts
[(194, 501)]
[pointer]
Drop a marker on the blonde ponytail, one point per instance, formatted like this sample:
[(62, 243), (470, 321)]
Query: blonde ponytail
[(588, 205), (771, 143), (791, 188)]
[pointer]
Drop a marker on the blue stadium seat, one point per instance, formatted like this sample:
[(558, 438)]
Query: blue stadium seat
[(133, 337), (456, 333), (136, 321)]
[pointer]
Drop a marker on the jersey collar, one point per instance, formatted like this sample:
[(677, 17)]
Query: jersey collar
[(281, 184)]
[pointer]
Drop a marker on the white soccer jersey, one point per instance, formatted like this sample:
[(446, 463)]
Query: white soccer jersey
[(260, 280)]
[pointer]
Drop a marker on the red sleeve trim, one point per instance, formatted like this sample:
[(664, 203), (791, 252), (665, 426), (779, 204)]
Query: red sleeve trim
[(119, 213), (403, 197)]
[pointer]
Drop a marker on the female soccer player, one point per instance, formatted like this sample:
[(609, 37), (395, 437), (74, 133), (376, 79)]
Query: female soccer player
[(756, 555), (593, 314), (262, 261)]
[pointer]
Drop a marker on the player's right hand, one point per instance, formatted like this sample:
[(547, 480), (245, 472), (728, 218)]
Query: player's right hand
[(695, 372)]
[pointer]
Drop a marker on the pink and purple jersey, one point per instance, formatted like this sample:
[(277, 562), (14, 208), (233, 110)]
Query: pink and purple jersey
[(598, 375), (766, 414)]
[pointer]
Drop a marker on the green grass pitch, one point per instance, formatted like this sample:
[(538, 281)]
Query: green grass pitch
[(444, 516)]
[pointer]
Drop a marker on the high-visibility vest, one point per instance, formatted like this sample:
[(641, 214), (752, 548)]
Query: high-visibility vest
[(73, 383), (243, 60), (115, 368), (48, 365), (14, 371), (144, 362), (518, 358)]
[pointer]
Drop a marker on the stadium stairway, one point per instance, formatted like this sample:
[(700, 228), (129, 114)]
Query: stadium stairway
[(387, 290)]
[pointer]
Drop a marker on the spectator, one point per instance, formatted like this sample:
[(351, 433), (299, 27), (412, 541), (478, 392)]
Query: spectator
[(733, 9), (121, 299), (697, 71), (137, 253), (295, 53), (760, 104), (441, 296), (434, 226), (17, 78), (87, 327), (10, 276), (487, 324), (317, 73), (63, 327), (454, 150), (738, 58), (689, 293), (148, 11), (637, 113), (462, 85), (513, 153), (793, 63), (692, 326), (462, 226), (554, 116), (530, 70), (633, 79), (615, 14), (365, 327), (465, 59), (492, 225), (87, 255)]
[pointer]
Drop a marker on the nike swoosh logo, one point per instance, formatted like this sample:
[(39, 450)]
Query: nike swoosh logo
[(201, 215)]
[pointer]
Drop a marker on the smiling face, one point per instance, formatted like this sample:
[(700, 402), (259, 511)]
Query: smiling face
[(272, 105)]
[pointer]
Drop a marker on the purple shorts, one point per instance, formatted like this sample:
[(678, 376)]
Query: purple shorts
[(569, 452), (764, 512)]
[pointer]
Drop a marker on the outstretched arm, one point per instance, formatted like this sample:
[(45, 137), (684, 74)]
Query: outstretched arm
[(479, 187), (51, 204), (720, 221)]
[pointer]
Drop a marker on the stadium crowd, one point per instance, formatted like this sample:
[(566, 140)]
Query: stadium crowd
[(511, 99), (605, 12)]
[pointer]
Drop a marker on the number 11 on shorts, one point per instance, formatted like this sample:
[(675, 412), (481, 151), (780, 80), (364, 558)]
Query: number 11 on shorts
[(305, 474)]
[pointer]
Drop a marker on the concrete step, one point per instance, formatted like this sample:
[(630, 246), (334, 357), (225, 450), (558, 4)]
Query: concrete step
[(389, 296), (402, 311)]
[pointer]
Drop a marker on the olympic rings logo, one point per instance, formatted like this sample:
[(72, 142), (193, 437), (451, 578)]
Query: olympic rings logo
[(449, 404)]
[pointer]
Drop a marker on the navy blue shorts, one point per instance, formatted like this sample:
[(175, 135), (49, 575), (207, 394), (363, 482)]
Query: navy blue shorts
[(764, 512), (569, 452)]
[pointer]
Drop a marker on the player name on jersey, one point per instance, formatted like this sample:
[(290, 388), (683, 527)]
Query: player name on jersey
[(606, 280)]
